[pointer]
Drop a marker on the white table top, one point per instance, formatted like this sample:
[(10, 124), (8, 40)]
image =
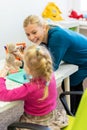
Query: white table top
[(63, 72)]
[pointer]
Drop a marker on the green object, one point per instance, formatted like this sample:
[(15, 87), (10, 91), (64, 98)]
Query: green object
[(79, 122), (73, 28), (19, 77)]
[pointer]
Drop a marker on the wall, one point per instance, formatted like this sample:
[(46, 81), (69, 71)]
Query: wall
[(12, 14)]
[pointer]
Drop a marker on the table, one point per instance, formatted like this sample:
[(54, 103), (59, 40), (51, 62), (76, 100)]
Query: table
[(10, 111), (63, 73)]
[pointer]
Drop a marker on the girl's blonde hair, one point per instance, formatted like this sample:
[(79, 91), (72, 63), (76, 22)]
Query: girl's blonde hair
[(38, 59), (34, 19)]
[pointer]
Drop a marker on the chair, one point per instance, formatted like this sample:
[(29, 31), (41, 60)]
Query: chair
[(31, 126), (64, 102), (76, 122)]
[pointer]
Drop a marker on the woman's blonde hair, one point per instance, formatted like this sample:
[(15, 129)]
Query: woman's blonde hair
[(34, 19), (38, 59)]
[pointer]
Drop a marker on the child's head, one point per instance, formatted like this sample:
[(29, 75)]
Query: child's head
[(38, 62)]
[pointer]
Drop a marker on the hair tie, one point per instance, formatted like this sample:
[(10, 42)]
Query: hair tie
[(37, 50), (47, 84)]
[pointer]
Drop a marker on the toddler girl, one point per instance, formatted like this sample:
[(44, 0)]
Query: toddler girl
[(40, 93)]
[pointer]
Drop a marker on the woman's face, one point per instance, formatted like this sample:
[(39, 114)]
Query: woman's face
[(35, 33)]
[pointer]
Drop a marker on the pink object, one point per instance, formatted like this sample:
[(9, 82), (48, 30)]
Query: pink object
[(30, 93)]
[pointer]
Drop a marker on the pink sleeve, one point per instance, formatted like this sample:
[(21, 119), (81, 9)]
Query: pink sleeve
[(2, 83), (19, 93)]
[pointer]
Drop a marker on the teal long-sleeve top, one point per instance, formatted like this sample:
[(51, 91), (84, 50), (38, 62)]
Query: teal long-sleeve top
[(71, 47)]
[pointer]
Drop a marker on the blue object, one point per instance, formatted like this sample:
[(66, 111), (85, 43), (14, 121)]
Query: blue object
[(19, 77), (71, 47), (84, 15)]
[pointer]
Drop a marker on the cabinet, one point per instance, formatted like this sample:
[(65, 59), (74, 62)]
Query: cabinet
[(83, 27), (69, 24)]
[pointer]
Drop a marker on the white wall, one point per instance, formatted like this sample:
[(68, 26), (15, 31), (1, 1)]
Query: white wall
[(12, 14)]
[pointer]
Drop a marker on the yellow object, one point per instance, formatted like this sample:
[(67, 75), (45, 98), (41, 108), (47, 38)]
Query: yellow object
[(79, 122), (52, 11)]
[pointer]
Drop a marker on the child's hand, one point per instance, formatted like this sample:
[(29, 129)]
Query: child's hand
[(18, 54), (4, 71)]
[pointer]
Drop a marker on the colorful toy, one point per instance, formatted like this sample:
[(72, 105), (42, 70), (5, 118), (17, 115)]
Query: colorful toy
[(52, 12), (13, 62), (75, 15)]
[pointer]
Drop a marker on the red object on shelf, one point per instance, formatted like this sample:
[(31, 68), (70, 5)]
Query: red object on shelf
[(74, 14)]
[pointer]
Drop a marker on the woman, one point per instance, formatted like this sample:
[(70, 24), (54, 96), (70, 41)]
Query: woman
[(64, 44)]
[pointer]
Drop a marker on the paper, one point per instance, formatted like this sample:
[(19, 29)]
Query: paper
[(18, 77)]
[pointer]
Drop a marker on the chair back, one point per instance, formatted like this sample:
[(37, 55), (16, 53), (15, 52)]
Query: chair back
[(80, 122)]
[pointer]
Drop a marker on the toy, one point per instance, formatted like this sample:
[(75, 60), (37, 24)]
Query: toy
[(75, 15), (12, 62), (52, 12)]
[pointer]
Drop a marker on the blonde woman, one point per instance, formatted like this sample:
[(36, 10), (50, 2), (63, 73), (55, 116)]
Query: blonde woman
[(40, 93), (63, 44)]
